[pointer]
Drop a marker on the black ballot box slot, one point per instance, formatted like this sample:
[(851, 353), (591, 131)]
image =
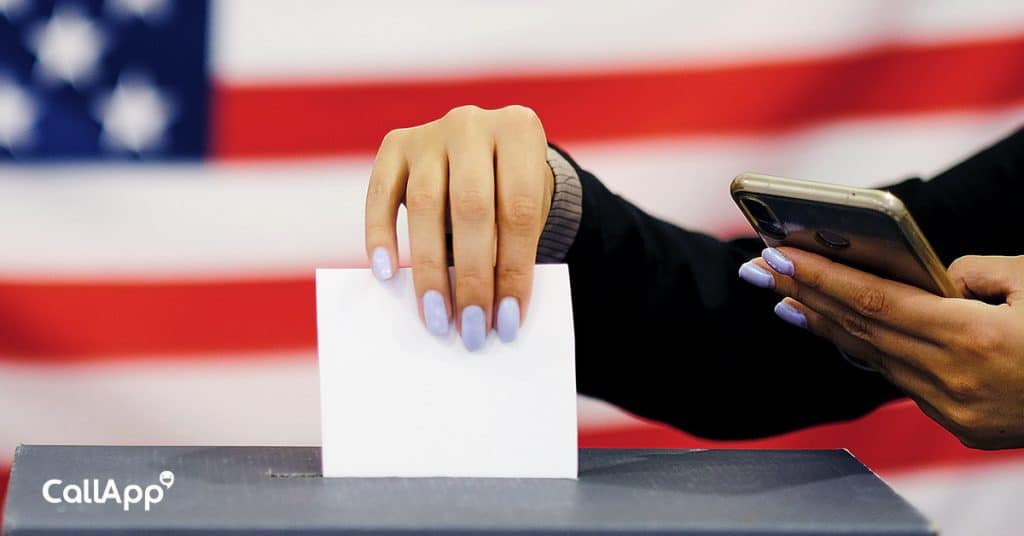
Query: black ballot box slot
[(275, 490)]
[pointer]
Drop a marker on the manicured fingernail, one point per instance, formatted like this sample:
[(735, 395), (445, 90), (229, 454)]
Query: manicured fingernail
[(435, 313), (508, 319), (757, 276), (474, 327), (790, 314), (777, 261), (381, 261)]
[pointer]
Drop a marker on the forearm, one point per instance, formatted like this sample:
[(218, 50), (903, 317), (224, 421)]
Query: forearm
[(974, 207), (665, 329)]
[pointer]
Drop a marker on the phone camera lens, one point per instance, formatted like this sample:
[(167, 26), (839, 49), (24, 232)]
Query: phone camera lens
[(773, 227), (766, 221), (832, 239)]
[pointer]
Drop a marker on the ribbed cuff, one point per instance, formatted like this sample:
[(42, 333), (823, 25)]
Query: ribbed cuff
[(565, 214)]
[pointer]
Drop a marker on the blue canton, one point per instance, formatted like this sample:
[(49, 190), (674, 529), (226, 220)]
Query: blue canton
[(100, 80)]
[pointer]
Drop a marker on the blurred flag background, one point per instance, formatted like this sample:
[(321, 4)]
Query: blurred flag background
[(172, 172)]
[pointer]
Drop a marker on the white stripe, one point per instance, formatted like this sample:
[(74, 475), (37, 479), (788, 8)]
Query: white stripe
[(598, 414), (246, 400), (257, 41), (968, 501), (686, 181), (151, 221), (286, 218)]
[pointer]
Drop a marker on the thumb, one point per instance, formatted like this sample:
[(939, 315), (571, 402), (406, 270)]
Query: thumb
[(990, 278)]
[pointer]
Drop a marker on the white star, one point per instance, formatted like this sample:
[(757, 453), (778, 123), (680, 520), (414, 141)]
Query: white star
[(17, 115), (11, 9), (151, 11), (67, 46), (135, 116)]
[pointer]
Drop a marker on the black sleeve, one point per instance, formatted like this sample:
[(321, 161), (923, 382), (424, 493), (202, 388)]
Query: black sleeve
[(975, 207), (666, 330)]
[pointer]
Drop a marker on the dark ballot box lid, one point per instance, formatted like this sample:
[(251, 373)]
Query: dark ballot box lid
[(252, 490)]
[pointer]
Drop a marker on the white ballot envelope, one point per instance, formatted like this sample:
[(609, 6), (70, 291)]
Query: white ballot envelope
[(397, 401)]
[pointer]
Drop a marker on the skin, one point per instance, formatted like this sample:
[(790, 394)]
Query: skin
[(482, 172), (960, 360)]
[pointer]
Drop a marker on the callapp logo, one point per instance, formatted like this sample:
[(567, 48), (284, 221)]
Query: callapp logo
[(92, 492)]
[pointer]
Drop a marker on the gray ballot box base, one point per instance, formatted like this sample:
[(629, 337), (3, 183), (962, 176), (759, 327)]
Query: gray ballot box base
[(273, 490)]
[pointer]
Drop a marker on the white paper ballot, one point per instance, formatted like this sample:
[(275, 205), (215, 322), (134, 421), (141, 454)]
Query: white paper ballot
[(397, 401)]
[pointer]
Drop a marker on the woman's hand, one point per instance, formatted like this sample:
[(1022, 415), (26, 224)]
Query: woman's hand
[(961, 360), (484, 173)]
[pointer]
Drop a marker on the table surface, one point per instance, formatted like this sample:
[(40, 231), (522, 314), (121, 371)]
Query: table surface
[(218, 490)]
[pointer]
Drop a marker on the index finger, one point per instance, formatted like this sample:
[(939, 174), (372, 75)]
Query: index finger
[(903, 307), (383, 196)]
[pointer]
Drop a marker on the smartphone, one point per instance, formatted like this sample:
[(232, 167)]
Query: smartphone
[(870, 230)]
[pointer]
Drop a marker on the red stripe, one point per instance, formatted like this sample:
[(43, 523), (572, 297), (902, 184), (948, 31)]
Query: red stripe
[(323, 118), (59, 321), (898, 437), (68, 321), (74, 321)]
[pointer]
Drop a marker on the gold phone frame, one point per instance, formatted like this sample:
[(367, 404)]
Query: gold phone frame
[(849, 196)]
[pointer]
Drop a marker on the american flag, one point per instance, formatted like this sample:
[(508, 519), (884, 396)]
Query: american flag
[(172, 173)]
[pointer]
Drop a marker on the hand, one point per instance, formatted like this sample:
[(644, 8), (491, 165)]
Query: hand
[(961, 360), (488, 169)]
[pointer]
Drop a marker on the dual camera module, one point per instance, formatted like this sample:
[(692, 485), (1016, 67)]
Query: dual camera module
[(771, 226)]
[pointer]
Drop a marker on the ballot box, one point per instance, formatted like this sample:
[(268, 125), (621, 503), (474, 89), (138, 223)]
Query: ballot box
[(274, 490)]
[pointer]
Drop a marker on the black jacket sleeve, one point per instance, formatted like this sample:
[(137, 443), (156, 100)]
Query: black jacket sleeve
[(666, 330)]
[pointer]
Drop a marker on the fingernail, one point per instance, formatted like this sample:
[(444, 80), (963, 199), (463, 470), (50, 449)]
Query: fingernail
[(755, 275), (508, 319), (474, 329), (777, 261), (381, 261), (790, 314), (435, 313)]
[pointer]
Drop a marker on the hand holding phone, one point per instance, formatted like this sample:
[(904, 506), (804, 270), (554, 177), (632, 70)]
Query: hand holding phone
[(960, 360), (870, 230)]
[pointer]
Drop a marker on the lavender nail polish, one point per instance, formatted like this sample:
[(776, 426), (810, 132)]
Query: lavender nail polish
[(757, 276), (474, 327), (778, 261), (435, 314), (381, 263), (508, 319), (790, 314)]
